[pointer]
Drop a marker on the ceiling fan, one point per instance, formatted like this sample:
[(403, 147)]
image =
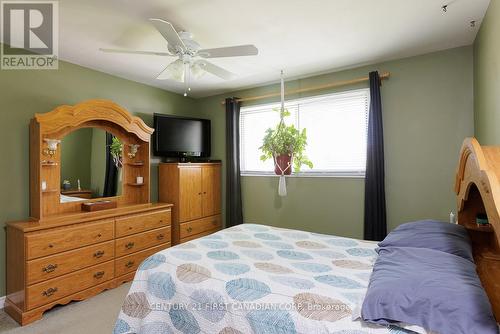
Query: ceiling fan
[(192, 59)]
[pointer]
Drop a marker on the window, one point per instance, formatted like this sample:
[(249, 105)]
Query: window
[(336, 124)]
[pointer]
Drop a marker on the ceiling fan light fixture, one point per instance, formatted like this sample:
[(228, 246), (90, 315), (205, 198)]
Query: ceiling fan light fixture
[(197, 70), (192, 63), (174, 71)]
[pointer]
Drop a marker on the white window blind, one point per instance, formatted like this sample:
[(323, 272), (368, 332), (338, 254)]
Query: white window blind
[(336, 124)]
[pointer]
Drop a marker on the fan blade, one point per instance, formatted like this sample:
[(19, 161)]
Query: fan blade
[(174, 71), (151, 53), (231, 51), (168, 32), (216, 70)]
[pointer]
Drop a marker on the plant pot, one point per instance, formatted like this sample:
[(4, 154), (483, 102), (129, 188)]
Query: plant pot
[(284, 161)]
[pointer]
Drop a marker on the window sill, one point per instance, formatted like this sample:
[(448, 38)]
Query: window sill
[(309, 175)]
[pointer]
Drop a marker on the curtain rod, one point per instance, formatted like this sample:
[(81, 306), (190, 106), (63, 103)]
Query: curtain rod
[(383, 76)]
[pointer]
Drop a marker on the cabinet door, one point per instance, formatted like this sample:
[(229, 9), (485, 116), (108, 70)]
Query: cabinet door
[(211, 190), (190, 192)]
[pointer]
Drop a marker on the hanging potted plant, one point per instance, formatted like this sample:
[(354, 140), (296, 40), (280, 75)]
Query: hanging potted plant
[(116, 151), (286, 146)]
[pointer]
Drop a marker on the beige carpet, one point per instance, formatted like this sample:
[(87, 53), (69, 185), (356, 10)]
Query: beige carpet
[(93, 316)]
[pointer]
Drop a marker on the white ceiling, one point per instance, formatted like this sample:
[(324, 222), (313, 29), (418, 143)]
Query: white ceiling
[(303, 37)]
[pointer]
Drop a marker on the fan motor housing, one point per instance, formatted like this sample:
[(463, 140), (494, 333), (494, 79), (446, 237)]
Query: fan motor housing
[(191, 45)]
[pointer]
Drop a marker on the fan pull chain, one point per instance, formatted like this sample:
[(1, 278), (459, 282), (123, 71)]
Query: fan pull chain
[(188, 69), (186, 79)]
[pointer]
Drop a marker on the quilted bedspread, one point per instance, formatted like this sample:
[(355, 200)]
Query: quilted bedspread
[(252, 279)]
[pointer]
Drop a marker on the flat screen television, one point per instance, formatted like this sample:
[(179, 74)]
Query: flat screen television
[(181, 137)]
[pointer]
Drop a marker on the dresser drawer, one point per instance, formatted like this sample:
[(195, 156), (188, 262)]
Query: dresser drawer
[(49, 291), (196, 236), (39, 244), (142, 222), (137, 242), (56, 265), (130, 263), (199, 226)]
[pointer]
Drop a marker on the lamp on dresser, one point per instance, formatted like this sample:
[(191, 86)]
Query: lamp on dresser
[(61, 253)]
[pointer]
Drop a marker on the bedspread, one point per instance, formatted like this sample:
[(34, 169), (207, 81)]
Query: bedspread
[(252, 279)]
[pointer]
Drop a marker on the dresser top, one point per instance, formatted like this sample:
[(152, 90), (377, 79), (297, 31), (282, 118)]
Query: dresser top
[(192, 164), (32, 224)]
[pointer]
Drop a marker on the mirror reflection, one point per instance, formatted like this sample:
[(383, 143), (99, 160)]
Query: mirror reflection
[(91, 165)]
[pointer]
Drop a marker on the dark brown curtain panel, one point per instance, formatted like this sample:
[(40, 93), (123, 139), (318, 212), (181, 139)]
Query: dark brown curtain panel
[(234, 206), (375, 227), (111, 179)]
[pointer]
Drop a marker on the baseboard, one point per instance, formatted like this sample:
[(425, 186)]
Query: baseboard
[(2, 302)]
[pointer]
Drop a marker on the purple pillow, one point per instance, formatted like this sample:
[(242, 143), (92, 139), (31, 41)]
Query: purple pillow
[(445, 237), (437, 291)]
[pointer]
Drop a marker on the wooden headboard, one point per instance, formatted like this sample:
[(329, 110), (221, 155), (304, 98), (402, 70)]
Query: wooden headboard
[(478, 192)]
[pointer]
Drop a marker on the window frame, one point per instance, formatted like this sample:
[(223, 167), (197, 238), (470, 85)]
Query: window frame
[(307, 174)]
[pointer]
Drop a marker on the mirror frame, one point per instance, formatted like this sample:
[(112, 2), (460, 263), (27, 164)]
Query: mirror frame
[(56, 124)]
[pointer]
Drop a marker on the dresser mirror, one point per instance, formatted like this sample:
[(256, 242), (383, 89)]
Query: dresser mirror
[(88, 167)]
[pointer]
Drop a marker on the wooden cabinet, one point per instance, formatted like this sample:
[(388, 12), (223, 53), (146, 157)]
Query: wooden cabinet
[(211, 190), (65, 258), (190, 193), (195, 191)]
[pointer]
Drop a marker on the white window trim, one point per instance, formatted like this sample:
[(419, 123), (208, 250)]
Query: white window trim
[(340, 175), (311, 174)]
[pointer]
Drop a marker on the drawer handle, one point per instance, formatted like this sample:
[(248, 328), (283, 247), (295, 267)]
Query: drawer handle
[(50, 268), (204, 192), (49, 292), (129, 264), (99, 274), (199, 193), (51, 246), (129, 245), (98, 254), (189, 229), (99, 235), (160, 236)]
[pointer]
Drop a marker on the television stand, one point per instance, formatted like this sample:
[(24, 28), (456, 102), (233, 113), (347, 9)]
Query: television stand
[(189, 160)]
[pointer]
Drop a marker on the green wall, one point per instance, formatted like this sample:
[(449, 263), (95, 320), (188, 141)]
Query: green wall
[(24, 93), (487, 77), (427, 111)]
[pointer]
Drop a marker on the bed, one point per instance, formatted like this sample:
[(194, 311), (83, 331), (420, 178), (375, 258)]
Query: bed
[(70, 199), (252, 279), (261, 279)]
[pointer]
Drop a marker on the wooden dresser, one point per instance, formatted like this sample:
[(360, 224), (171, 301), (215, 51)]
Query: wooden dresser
[(73, 257), (195, 191), (61, 253)]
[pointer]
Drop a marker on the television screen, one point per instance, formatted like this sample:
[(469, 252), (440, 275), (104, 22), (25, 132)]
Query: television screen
[(181, 137)]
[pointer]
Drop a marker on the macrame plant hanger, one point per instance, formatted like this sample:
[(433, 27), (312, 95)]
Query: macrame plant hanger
[(282, 180)]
